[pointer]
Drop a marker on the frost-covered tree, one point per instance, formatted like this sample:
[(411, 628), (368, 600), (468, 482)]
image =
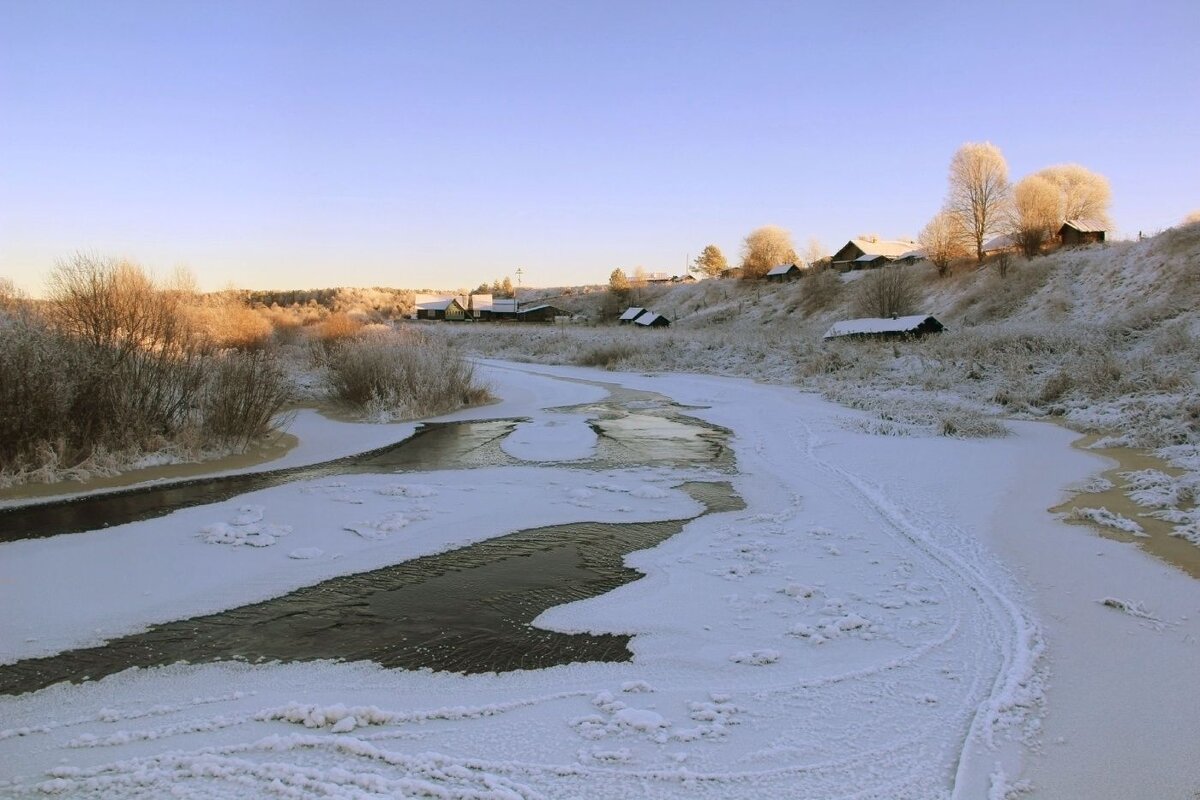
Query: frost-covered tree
[(711, 262), (889, 291), (1192, 218), (1082, 194), (1035, 213), (766, 247), (618, 282), (979, 192), (814, 252), (942, 241)]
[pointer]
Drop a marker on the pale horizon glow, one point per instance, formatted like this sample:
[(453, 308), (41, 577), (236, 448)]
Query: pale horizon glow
[(304, 144)]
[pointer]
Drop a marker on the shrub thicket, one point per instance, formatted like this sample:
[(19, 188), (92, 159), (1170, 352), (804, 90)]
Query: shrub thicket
[(113, 364)]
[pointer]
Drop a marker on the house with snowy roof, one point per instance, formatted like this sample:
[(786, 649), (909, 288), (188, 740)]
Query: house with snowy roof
[(1075, 232), (865, 253), (446, 309), (874, 327), (652, 320), (784, 272), (631, 314)]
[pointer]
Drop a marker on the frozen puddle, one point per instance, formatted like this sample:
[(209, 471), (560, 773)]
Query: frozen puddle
[(467, 610)]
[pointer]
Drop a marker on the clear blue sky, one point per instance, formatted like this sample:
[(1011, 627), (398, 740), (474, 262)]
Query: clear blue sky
[(302, 144)]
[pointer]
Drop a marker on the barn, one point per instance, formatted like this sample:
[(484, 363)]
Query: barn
[(631, 313), (885, 328), (1075, 232), (784, 272), (541, 313), (652, 320)]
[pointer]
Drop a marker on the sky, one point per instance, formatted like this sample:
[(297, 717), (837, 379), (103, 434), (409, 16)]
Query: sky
[(441, 145)]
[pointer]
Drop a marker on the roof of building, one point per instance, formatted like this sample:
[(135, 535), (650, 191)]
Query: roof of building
[(649, 318), (866, 257), (918, 253), (1003, 242), (868, 325), (1084, 226), (539, 307), (782, 269), (438, 305), (631, 313), (481, 302), (505, 305), (656, 277), (891, 248)]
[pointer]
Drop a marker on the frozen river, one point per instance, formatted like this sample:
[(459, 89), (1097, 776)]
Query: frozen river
[(805, 610)]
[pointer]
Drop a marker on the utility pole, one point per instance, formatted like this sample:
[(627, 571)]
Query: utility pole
[(517, 293)]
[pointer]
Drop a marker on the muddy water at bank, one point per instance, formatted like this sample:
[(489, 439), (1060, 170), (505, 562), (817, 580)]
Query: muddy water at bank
[(1157, 540), (467, 610)]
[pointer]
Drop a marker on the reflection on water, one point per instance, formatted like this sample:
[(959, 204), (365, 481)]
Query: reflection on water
[(467, 610), (635, 429)]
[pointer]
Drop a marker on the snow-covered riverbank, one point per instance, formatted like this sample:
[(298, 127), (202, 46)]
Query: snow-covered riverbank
[(888, 617)]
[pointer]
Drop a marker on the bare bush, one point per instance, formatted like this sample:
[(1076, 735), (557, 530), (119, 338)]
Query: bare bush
[(821, 290), (392, 377), (608, 356), (243, 394), (889, 291)]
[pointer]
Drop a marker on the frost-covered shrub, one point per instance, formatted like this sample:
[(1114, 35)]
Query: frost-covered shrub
[(389, 376), (242, 394), (886, 292), (608, 356)]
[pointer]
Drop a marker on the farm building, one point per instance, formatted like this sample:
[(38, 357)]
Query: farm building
[(541, 313), (851, 256), (503, 308), (1075, 232), (448, 309), (631, 313), (731, 272), (915, 325), (911, 257), (684, 279), (1001, 244), (652, 320), (784, 272), (658, 277), (477, 304)]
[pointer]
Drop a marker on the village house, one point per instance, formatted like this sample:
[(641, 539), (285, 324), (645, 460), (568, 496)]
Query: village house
[(864, 253), (478, 304), (883, 328), (630, 314), (1075, 232), (541, 313), (445, 309), (784, 272), (652, 320), (502, 308)]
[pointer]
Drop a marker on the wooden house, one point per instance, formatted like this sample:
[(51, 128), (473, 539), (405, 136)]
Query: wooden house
[(732, 272), (477, 304), (502, 308), (876, 328), (540, 313), (652, 320), (630, 314), (448, 309), (784, 272), (854, 254), (1075, 232)]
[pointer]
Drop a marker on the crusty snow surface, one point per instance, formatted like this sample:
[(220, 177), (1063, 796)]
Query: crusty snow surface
[(865, 628)]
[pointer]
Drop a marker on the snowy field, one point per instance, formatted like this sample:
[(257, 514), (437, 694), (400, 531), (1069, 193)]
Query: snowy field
[(889, 617)]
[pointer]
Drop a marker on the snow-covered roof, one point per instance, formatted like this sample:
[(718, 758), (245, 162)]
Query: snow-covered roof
[(918, 253), (1085, 226), (868, 325), (538, 308), (437, 305), (782, 269), (649, 318), (631, 313), (657, 277), (505, 306), (481, 302), (865, 257), (1003, 242), (892, 249)]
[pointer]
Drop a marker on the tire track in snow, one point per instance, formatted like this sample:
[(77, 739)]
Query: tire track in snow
[(1021, 644)]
